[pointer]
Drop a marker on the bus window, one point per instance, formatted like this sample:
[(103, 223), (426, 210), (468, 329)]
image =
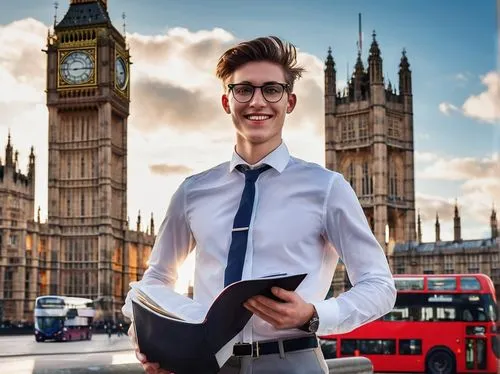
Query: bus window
[(397, 314), (48, 323), (415, 284), (348, 347), (469, 284), (450, 307), (492, 311), (329, 348), (410, 347), (377, 347), (49, 303), (448, 284), (467, 316)]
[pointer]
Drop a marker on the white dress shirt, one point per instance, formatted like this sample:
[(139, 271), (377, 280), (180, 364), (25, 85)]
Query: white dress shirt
[(305, 217)]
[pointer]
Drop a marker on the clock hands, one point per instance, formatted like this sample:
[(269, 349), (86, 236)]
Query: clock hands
[(74, 69)]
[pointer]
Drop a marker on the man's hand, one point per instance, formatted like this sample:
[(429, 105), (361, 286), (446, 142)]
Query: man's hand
[(149, 367), (292, 312)]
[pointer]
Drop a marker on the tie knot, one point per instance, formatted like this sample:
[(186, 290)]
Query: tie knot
[(252, 174)]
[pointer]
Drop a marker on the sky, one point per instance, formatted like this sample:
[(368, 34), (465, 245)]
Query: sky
[(177, 126)]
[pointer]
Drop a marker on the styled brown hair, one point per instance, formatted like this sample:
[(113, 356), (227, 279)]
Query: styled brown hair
[(270, 48)]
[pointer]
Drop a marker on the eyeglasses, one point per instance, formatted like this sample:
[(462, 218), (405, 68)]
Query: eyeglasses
[(272, 92)]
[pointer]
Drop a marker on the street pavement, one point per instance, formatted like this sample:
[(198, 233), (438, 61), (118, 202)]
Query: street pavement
[(23, 355), (69, 363), (25, 345)]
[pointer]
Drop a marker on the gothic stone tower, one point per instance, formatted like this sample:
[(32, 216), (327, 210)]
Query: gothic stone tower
[(17, 196), (369, 139), (88, 105)]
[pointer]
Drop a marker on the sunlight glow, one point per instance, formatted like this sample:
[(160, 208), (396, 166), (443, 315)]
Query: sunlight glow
[(186, 273)]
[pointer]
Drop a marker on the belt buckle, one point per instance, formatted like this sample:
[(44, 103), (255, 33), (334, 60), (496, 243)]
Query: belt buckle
[(256, 351), (242, 349)]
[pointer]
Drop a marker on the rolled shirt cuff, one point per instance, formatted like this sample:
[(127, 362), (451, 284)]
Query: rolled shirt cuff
[(328, 314)]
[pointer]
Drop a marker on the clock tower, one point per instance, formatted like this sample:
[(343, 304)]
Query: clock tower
[(88, 104)]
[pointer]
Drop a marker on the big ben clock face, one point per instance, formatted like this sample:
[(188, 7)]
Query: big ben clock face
[(121, 73), (77, 67)]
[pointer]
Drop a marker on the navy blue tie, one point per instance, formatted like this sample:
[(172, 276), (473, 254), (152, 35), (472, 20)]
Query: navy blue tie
[(238, 248)]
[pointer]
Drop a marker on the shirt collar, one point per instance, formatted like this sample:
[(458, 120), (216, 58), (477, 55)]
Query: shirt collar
[(277, 159)]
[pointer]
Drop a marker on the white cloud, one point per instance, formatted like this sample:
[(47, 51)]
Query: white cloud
[(22, 63), (460, 169), (486, 105), (477, 185), (461, 77), (447, 108), (22, 96), (474, 210), (429, 205), (425, 156)]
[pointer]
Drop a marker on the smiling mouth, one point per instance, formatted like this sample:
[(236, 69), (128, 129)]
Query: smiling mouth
[(259, 117)]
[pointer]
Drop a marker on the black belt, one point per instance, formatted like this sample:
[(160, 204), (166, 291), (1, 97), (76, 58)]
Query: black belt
[(257, 349)]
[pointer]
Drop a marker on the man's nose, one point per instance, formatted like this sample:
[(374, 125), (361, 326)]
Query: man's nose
[(258, 98)]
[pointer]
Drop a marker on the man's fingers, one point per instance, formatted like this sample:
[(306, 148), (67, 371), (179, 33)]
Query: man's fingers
[(270, 308), (261, 315), (154, 368), (283, 294), (140, 357), (279, 306), (151, 367)]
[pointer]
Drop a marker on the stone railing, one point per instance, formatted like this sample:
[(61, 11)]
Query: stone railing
[(350, 365)]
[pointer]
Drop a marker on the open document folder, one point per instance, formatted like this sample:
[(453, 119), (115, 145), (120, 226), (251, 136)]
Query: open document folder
[(187, 338)]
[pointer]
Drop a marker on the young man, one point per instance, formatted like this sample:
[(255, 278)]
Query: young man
[(267, 212)]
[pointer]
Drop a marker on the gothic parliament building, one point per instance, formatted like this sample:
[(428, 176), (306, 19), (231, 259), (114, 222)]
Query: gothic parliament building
[(85, 248)]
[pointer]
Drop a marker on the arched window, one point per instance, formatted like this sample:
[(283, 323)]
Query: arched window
[(366, 180), (82, 167), (363, 128), (82, 205), (351, 175), (393, 182), (343, 129), (351, 133)]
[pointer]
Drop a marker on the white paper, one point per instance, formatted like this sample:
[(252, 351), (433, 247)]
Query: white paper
[(179, 305)]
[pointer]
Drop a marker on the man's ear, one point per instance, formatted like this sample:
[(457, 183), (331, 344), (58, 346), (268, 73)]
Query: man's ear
[(291, 102), (225, 104)]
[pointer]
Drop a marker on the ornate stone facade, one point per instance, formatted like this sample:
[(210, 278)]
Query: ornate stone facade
[(369, 139), (448, 257), (85, 248)]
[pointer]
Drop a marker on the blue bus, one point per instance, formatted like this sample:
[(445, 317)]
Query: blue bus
[(63, 318)]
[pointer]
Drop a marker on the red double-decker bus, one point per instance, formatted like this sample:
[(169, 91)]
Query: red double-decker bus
[(440, 324)]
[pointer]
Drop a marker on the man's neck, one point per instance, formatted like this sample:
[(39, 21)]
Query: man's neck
[(253, 153)]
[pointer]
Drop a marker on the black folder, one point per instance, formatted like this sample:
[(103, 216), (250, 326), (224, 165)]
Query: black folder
[(185, 347)]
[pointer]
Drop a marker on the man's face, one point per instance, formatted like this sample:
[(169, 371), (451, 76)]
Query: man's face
[(258, 121)]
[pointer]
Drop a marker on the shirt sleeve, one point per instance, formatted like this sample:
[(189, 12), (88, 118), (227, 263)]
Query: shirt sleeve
[(172, 245), (373, 293)]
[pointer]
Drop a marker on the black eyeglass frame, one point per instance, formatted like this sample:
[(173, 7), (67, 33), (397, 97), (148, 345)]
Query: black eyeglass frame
[(285, 86)]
